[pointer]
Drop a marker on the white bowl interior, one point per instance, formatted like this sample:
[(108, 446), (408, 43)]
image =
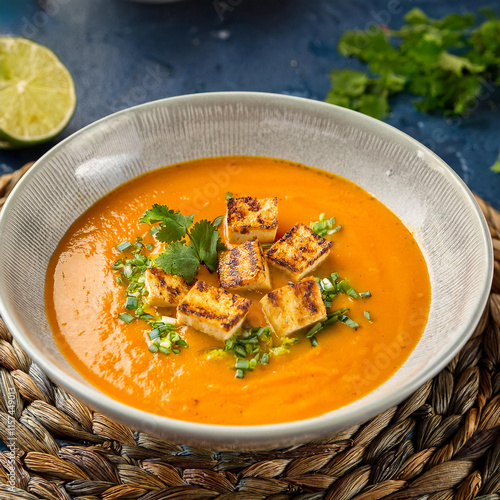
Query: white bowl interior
[(426, 195)]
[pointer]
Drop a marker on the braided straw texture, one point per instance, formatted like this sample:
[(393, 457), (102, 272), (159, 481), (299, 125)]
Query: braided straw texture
[(442, 443)]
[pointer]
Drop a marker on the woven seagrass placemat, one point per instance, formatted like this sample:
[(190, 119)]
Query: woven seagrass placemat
[(442, 443)]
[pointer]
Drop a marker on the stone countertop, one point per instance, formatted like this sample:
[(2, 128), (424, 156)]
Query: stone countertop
[(122, 53)]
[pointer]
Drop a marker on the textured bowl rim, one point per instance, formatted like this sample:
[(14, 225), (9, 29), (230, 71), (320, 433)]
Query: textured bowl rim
[(249, 435)]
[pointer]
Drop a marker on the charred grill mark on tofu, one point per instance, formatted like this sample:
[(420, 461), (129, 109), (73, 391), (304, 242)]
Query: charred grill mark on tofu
[(238, 209), (307, 294), (213, 310), (164, 290), (159, 274), (294, 307), (244, 267), (298, 249), (273, 299), (225, 322)]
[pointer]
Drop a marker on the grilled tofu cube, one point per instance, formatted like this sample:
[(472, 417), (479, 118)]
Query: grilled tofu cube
[(164, 290), (244, 268), (248, 218), (299, 251), (293, 307), (213, 311)]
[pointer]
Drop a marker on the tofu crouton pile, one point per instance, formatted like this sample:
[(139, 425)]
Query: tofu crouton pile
[(219, 312)]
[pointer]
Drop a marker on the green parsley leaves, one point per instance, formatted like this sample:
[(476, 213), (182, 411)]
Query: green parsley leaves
[(446, 62), (188, 245)]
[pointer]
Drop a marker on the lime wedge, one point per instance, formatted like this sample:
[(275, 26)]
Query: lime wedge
[(37, 93)]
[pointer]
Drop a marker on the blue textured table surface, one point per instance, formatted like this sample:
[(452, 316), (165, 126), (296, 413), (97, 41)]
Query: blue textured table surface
[(122, 54)]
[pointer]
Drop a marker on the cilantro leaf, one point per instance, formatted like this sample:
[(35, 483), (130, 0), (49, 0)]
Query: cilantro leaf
[(179, 259), (349, 82), (205, 238), (173, 225), (376, 106), (158, 213), (174, 228), (446, 62)]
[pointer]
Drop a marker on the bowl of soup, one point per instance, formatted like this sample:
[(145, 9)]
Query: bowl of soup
[(242, 270)]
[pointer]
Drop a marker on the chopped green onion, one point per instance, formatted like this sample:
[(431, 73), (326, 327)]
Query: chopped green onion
[(242, 364), (324, 226), (264, 359), (149, 246), (131, 303), (327, 284), (126, 317), (153, 348), (228, 195), (240, 351), (365, 295), (368, 317), (314, 330), (314, 341), (331, 321), (128, 271), (334, 276), (342, 310), (217, 221), (164, 350), (348, 321), (176, 351), (240, 373), (348, 289), (123, 246), (153, 334), (153, 230)]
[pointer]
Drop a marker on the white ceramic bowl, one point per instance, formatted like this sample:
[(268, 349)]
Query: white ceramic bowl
[(408, 178)]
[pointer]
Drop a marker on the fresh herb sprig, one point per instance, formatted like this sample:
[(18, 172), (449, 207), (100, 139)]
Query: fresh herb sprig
[(446, 62), (325, 227), (188, 245)]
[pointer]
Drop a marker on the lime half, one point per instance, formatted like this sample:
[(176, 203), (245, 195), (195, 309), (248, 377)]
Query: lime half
[(37, 93)]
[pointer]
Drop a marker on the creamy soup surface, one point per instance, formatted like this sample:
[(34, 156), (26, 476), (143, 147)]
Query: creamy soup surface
[(373, 250)]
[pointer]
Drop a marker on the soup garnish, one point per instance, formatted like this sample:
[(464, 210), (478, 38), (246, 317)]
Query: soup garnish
[(167, 280)]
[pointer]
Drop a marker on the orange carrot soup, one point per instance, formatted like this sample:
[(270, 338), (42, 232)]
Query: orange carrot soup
[(237, 290)]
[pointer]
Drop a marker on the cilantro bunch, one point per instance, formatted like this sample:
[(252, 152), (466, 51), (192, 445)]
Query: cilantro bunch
[(447, 62), (189, 244)]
